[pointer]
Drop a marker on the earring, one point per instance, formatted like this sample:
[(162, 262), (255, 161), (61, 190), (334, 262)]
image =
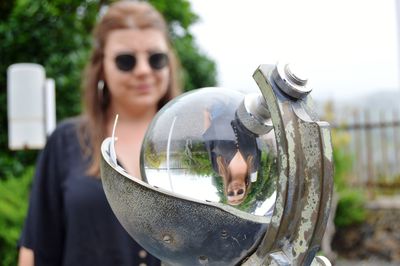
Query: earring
[(100, 86), (102, 93)]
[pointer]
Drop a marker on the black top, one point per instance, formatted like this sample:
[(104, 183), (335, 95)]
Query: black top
[(226, 136), (69, 220)]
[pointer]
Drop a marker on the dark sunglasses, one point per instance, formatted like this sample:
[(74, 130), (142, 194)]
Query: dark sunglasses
[(127, 62)]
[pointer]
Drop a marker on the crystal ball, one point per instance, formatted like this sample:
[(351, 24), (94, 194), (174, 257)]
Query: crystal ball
[(197, 148)]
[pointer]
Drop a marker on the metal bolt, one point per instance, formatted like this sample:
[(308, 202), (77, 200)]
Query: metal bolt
[(167, 239), (224, 234), (293, 83), (298, 76), (253, 113)]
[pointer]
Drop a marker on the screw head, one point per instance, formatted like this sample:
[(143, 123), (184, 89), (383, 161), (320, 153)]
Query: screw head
[(298, 76), (291, 80), (167, 239)]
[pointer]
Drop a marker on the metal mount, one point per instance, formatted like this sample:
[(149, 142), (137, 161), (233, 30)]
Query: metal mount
[(306, 172), (190, 232)]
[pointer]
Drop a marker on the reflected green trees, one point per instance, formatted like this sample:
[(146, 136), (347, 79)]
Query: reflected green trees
[(265, 185), (192, 158)]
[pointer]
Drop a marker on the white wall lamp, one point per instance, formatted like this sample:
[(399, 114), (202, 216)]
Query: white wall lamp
[(30, 106)]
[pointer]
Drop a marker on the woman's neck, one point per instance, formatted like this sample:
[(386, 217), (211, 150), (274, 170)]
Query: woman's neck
[(132, 115), (129, 132)]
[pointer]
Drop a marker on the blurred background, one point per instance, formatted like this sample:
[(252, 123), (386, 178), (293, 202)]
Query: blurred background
[(348, 49)]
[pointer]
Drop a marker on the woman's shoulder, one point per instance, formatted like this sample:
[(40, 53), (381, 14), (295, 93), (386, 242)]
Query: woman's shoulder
[(69, 123), (66, 132), (68, 126)]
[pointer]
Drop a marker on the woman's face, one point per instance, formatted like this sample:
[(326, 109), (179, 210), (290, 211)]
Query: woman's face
[(141, 87), (236, 184)]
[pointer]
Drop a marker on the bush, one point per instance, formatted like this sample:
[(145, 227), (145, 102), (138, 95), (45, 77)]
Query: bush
[(14, 194), (350, 209)]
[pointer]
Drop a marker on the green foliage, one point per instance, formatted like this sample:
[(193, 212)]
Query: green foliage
[(196, 160), (55, 35), (177, 13), (14, 193), (342, 159), (261, 189), (193, 159), (198, 70), (350, 209), (265, 185), (152, 158)]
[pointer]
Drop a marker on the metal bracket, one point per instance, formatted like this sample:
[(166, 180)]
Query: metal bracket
[(305, 177)]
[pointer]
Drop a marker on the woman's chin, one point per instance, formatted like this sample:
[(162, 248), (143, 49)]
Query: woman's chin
[(143, 104), (235, 200)]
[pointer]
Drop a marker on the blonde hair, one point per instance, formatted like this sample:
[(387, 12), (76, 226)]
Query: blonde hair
[(119, 15)]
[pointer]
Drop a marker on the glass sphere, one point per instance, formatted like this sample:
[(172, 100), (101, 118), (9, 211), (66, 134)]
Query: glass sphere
[(197, 148)]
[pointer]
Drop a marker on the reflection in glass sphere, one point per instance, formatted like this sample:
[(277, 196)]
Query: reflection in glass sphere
[(196, 147)]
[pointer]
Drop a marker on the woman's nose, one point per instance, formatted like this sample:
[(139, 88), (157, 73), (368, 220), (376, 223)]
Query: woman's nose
[(142, 65)]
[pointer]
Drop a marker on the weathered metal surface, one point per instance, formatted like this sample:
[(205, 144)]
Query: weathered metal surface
[(177, 229), (189, 232), (305, 184)]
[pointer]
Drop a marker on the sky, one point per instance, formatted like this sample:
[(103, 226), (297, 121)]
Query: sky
[(346, 48)]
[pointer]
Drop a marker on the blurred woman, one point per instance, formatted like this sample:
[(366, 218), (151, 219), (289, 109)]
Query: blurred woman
[(132, 72)]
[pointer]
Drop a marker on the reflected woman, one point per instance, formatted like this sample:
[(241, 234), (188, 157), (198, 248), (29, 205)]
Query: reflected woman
[(233, 151)]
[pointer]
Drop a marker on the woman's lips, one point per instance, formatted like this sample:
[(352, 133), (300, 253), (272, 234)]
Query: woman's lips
[(142, 87)]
